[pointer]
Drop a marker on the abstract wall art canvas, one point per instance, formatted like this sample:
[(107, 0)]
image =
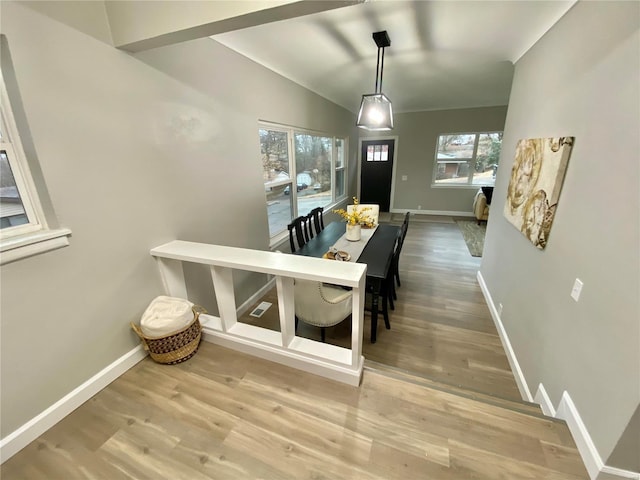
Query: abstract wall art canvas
[(536, 180)]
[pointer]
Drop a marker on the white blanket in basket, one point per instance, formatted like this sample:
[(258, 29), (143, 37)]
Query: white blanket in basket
[(166, 315)]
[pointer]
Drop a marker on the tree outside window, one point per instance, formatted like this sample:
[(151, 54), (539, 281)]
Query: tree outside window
[(465, 159)]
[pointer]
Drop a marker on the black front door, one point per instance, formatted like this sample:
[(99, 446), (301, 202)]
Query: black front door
[(376, 172)]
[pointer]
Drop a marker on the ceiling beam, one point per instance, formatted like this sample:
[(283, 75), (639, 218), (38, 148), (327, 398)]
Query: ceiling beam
[(141, 25)]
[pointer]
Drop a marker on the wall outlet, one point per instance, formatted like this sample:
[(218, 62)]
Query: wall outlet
[(419, 207), (499, 309), (404, 178), (577, 288)]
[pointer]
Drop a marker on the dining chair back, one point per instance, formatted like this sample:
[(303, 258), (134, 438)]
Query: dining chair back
[(403, 234), (298, 232), (320, 305), (316, 221), (393, 271)]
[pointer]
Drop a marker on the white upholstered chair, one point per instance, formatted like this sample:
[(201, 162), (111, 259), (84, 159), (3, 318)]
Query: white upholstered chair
[(321, 305), (372, 211)]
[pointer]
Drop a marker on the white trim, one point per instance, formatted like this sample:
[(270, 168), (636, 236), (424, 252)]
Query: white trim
[(21, 437), (613, 473), (449, 213), (275, 353), (506, 344), (596, 468), (566, 411), (542, 399), (337, 363), (25, 246)]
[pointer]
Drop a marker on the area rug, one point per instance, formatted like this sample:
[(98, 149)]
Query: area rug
[(473, 235)]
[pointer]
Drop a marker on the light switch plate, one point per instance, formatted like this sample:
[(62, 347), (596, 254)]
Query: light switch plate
[(577, 288)]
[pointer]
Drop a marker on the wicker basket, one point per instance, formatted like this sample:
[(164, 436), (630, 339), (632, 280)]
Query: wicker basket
[(177, 347)]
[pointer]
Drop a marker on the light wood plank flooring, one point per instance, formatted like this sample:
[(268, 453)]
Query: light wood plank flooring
[(437, 401), (441, 327), (226, 415)]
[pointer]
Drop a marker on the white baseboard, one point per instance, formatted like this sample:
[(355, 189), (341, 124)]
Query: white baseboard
[(289, 358), (596, 468), (525, 393), (20, 438), (433, 212), (542, 399), (566, 410)]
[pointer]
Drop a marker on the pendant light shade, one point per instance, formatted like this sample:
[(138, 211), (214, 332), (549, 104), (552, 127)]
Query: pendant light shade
[(376, 112)]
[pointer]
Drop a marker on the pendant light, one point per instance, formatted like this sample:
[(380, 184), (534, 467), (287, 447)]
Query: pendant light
[(375, 110)]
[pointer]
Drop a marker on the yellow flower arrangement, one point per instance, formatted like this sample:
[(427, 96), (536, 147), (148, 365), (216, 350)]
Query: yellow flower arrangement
[(358, 216)]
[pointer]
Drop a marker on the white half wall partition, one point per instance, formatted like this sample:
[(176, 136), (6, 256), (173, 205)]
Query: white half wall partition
[(330, 361)]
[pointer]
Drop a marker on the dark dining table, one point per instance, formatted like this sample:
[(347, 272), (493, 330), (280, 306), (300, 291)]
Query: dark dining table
[(377, 255)]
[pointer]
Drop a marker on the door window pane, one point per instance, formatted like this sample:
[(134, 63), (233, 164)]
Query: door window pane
[(378, 153)]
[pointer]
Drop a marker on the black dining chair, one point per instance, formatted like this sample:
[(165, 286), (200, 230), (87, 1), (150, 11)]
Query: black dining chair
[(395, 266), (383, 301), (298, 231), (390, 286), (316, 221)]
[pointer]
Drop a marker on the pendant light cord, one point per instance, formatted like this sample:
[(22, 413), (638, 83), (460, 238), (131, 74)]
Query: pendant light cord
[(381, 69), (377, 71)]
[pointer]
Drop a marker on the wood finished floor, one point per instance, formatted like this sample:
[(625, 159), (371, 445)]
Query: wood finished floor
[(441, 327), (226, 415)]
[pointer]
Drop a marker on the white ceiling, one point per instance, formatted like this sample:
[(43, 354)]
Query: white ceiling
[(443, 54)]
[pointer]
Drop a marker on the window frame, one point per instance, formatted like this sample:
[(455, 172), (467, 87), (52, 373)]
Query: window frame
[(291, 131), (35, 236), (472, 161)]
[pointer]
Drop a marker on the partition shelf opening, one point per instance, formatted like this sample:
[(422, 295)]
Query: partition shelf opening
[(330, 361)]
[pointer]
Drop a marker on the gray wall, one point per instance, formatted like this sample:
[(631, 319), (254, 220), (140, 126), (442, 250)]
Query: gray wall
[(417, 134), (133, 156), (581, 79)]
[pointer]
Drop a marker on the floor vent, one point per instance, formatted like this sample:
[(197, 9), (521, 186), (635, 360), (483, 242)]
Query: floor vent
[(260, 309)]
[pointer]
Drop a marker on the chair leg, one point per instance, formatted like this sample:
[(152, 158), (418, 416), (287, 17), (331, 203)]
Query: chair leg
[(322, 333), (385, 312)]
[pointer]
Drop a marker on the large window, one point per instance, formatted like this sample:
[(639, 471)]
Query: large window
[(465, 159), (301, 170), (23, 229)]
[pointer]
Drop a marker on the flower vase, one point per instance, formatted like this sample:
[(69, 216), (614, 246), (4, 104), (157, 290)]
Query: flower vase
[(353, 232)]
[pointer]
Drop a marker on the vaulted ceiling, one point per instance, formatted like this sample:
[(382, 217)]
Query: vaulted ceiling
[(443, 54)]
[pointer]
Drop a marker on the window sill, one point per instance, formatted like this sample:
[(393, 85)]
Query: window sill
[(31, 244), (278, 241)]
